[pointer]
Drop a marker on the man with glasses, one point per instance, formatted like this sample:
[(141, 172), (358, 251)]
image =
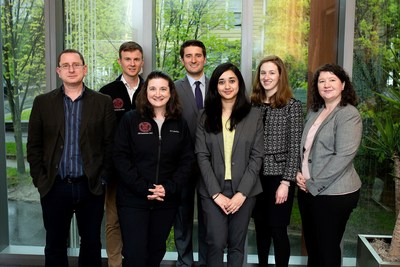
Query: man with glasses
[(69, 151), (123, 92)]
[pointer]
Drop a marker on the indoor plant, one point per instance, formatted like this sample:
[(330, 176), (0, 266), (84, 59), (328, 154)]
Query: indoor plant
[(385, 139)]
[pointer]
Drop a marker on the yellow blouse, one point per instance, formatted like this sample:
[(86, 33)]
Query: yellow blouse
[(228, 137)]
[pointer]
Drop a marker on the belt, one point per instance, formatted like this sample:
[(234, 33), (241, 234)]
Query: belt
[(72, 180)]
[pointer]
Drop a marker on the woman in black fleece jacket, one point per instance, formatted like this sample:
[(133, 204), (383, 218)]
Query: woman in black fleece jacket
[(153, 155)]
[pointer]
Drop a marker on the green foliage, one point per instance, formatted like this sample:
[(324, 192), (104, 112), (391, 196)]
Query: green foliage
[(369, 218), (205, 20), (24, 115), (384, 138), (171, 241), (377, 27), (11, 150), (14, 178), (95, 29)]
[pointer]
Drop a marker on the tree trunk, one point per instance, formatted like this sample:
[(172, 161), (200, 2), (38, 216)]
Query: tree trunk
[(19, 147), (395, 244)]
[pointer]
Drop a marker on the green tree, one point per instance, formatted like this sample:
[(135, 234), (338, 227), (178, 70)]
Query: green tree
[(22, 25), (377, 29), (93, 28), (180, 20)]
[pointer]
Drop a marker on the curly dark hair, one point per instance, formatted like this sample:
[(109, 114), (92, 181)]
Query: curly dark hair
[(143, 106), (349, 95), (213, 104)]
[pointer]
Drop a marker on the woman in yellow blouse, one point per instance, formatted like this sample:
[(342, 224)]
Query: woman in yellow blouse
[(229, 149)]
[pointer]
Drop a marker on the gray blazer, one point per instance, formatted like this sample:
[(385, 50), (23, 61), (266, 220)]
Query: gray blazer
[(333, 149), (188, 102), (247, 155)]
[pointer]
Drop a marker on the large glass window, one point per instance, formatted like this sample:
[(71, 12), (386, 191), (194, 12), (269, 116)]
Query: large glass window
[(217, 23), (280, 27), (97, 28), (23, 70), (375, 70)]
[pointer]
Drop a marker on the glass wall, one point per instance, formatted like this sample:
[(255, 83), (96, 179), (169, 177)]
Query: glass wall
[(281, 28), (23, 75), (98, 27), (217, 23)]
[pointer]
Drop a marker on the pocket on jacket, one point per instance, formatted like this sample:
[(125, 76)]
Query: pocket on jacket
[(280, 157)]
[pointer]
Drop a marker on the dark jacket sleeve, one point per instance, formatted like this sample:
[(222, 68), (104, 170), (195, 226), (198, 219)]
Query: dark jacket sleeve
[(35, 143)]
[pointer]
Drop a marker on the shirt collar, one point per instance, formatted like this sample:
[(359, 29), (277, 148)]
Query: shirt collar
[(192, 81), (127, 84)]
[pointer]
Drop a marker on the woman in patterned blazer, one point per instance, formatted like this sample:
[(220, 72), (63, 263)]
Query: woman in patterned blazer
[(283, 120)]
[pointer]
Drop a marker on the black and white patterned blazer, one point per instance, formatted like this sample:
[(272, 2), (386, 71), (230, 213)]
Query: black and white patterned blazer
[(282, 136)]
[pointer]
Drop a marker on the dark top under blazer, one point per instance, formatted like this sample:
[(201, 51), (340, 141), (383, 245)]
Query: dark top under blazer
[(247, 155), (142, 159), (119, 94), (189, 108), (46, 138)]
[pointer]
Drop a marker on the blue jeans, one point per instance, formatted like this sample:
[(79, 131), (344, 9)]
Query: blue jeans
[(58, 206)]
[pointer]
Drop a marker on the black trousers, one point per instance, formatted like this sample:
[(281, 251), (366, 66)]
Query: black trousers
[(324, 220), (144, 233), (58, 206), (271, 221)]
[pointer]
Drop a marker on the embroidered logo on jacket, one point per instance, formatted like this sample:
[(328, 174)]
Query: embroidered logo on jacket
[(118, 103), (144, 127)]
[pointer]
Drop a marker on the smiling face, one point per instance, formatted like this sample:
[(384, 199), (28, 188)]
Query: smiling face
[(131, 63), (193, 60), (269, 77), (71, 69), (228, 86), (158, 93), (330, 87)]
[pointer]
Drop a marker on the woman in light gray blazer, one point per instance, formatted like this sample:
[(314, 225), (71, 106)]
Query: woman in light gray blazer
[(330, 186), (229, 149)]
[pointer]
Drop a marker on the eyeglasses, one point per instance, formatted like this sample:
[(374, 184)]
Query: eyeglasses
[(74, 66)]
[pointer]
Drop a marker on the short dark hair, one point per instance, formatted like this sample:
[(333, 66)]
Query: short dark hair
[(349, 95), (213, 103), (192, 43), (143, 105), (130, 46), (72, 51)]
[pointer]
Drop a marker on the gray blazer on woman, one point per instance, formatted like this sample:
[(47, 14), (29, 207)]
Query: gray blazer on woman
[(333, 149), (247, 155)]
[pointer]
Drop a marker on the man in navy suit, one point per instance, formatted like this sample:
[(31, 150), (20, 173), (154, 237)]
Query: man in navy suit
[(69, 151), (123, 92), (193, 58)]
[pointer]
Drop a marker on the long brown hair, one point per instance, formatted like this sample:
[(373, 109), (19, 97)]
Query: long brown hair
[(282, 95)]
